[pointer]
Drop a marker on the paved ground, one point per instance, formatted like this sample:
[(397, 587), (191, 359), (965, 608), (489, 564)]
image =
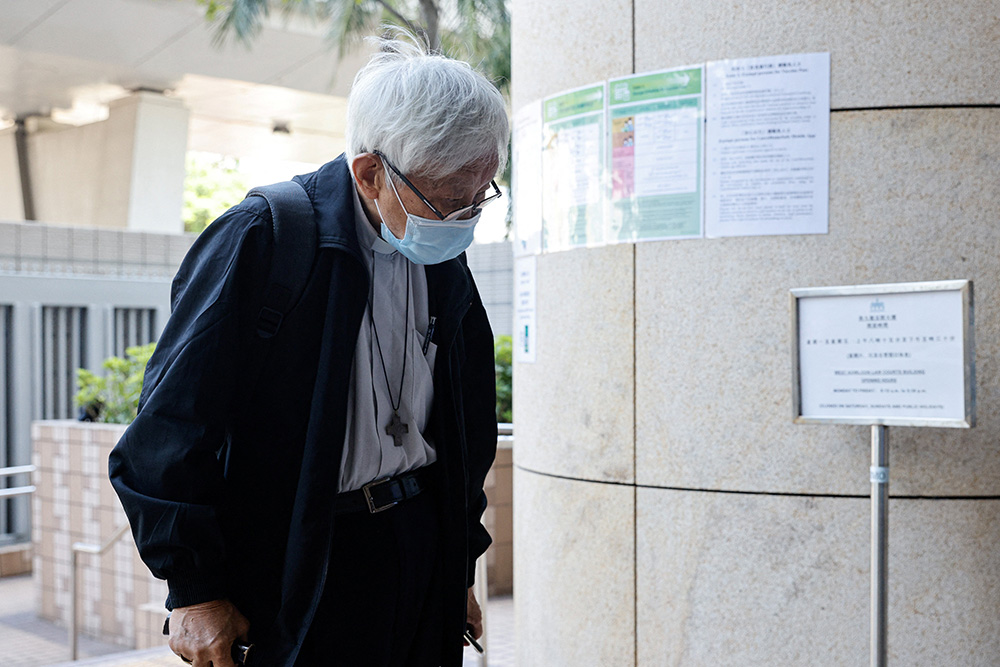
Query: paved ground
[(27, 641)]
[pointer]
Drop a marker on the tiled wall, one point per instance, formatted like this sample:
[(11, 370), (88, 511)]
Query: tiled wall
[(44, 248), (499, 521), (75, 502), (119, 601), (15, 560), (492, 265), (33, 248)]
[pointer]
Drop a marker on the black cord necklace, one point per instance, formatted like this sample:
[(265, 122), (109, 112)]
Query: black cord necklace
[(396, 427)]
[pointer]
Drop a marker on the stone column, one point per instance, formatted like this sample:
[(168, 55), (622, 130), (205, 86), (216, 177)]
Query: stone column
[(667, 511), (11, 207), (158, 149), (125, 172)]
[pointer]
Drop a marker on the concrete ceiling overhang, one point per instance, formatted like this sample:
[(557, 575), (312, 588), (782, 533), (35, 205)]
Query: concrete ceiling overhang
[(70, 58)]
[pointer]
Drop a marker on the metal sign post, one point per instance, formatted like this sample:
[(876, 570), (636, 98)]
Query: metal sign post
[(880, 544), (884, 355)]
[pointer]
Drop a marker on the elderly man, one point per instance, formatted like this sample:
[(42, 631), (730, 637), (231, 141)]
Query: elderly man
[(248, 473)]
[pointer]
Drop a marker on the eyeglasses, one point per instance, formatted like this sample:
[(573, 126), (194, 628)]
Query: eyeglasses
[(470, 210)]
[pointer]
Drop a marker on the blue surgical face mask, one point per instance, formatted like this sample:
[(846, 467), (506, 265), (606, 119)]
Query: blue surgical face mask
[(429, 241)]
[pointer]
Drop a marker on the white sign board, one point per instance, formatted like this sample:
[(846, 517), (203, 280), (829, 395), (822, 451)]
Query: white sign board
[(897, 354), (524, 309), (767, 145)]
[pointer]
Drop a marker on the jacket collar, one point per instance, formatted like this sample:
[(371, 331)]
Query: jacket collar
[(449, 295), (331, 188)]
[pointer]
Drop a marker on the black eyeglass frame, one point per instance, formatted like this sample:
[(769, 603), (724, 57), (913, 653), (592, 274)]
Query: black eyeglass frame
[(473, 208)]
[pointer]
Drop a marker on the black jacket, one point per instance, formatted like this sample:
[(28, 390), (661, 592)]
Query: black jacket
[(228, 472)]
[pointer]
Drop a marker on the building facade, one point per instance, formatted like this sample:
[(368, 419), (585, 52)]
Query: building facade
[(668, 511)]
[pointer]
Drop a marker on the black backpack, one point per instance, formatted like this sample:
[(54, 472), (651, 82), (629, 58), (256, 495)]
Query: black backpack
[(293, 222)]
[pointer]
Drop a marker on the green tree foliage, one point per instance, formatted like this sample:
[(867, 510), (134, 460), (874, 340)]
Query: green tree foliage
[(212, 185), (474, 30), (477, 31), (113, 398), (502, 354)]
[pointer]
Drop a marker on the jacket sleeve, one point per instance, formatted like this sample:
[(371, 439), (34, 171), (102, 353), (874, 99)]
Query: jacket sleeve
[(166, 467), (479, 402)]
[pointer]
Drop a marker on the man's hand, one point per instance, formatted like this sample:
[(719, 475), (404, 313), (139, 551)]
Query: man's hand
[(474, 616), (203, 634)]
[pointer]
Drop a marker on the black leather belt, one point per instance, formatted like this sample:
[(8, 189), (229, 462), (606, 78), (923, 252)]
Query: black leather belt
[(381, 494)]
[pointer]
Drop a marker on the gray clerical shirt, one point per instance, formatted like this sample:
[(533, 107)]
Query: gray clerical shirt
[(369, 452)]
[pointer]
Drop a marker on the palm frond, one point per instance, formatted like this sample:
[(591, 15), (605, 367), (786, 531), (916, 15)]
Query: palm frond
[(317, 10), (350, 21), (474, 30), (241, 18), (480, 33)]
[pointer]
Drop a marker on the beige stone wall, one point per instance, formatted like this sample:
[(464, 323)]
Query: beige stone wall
[(498, 519), (11, 207), (75, 502), (123, 172), (119, 600), (15, 560), (668, 511)]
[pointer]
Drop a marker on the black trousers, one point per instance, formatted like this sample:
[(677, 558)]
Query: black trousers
[(382, 602)]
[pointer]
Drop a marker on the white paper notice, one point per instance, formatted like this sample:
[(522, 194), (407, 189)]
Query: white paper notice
[(526, 160), (882, 357), (768, 145), (579, 160), (524, 309), (666, 152)]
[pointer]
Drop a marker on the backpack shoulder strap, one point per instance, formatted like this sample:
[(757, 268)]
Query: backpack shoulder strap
[(293, 222)]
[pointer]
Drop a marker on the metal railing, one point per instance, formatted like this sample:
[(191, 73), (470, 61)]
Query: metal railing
[(50, 325), (77, 549), (17, 490), (481, 587), (482, 591)]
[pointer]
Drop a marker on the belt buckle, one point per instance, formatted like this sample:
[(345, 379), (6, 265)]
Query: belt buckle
[(372, 507)]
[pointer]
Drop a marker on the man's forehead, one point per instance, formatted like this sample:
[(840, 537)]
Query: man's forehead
[(471, 176)]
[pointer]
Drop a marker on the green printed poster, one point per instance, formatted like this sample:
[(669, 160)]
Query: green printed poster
[(656, 162), (573, 169)]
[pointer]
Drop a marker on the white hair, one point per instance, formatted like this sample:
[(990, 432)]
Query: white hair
[(430, 115)]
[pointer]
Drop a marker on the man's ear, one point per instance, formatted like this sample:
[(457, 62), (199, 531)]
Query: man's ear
[(368, 174)]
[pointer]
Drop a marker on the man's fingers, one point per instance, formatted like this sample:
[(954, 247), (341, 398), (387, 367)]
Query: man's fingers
[(216, 654), (219, 653), (180, 649), (474, 616), (204, 633), (244, 629), (222, 658)]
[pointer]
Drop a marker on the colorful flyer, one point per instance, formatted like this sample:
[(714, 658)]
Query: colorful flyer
[(768, 145), (526, 159), (573, 169), (656, 165)]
